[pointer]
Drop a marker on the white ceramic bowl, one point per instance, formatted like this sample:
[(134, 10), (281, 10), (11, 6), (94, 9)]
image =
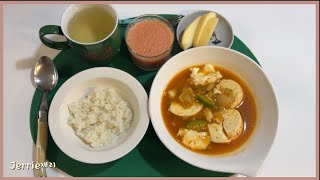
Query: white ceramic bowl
[(76, 88), (223, 31), (248, 159)]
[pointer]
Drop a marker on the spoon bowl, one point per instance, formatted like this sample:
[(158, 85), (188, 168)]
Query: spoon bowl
[(45, 74)]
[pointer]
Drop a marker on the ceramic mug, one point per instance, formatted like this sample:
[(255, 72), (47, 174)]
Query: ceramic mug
[(101, 50)]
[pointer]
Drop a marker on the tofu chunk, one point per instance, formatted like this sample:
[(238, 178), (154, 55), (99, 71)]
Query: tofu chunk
[(217, 134), (208, 114), (216, 91), (172, 93), (232, 123), (205, 75), (204, 79), (194, 139), (194, 71), (208, 68)]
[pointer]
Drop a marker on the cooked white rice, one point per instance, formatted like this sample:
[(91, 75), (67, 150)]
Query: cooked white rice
[(100, 118)]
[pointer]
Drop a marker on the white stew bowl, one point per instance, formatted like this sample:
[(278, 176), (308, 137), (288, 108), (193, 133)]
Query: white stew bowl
[(248, 159)]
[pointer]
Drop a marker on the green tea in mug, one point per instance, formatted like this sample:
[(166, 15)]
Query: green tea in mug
[(91, 25)]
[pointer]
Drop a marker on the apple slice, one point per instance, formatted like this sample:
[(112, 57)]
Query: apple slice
[(207, 32), (188, 34), (201, 26)]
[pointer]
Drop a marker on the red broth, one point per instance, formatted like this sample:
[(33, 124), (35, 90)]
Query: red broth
[(247, 110)]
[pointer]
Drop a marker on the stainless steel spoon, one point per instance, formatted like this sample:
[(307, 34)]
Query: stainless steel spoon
[(45, 77)]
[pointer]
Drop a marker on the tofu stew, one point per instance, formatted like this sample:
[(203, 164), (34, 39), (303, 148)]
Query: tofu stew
[(208, 109)]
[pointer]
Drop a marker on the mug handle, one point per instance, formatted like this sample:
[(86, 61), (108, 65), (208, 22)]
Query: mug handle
[(53, 29)]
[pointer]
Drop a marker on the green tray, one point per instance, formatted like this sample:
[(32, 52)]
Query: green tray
[(150, 158)]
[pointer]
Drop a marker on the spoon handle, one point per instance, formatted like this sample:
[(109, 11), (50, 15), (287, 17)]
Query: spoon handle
[(42, 137), (41, 148)]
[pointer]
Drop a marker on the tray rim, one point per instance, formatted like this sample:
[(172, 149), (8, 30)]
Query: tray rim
[(37, 93)]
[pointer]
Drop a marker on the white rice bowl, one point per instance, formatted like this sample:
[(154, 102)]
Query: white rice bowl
[(102, 135)]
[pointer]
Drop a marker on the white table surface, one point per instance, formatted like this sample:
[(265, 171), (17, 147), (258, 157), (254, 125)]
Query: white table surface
[(282, 37)]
